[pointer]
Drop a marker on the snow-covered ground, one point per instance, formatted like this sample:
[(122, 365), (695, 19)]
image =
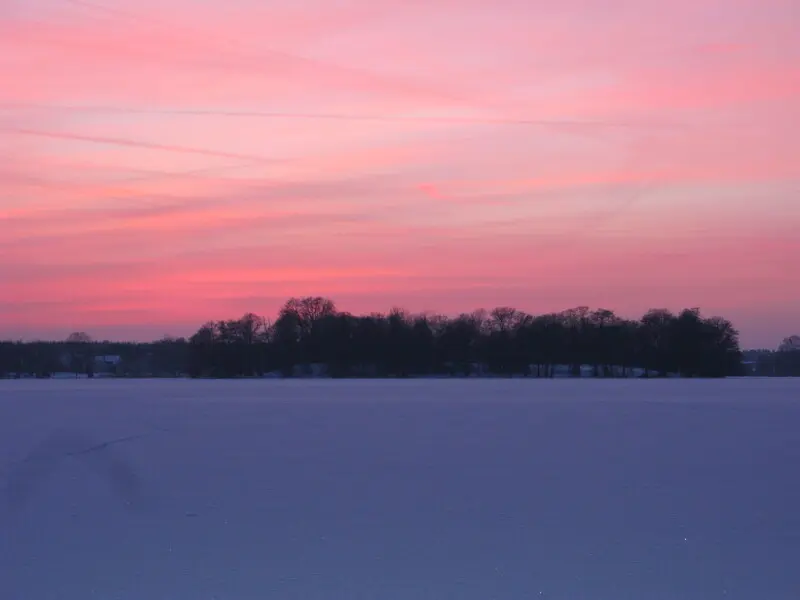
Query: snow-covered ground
[(413, 490)]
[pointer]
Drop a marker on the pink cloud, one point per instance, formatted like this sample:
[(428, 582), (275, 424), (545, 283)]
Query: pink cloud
[(169, 162)]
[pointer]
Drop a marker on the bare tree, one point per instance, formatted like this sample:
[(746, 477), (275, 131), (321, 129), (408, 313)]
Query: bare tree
[(314, 308), (505, 318), (790, 343), (80, 353), (79, 337), (307, 311)]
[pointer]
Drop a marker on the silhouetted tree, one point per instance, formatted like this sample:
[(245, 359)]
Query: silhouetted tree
[(309, 332), (785, 362), (789, 344), (80, 353), (656, 341)]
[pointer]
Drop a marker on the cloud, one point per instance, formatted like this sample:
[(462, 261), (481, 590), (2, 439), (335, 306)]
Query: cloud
[(115, 141), (181, 160), (181, 56)]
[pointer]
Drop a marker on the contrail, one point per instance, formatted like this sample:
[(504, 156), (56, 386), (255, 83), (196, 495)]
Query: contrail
[(138, 144), (276, 114)]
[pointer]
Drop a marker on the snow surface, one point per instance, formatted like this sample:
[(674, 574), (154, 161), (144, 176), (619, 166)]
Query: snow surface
[(413, 490)]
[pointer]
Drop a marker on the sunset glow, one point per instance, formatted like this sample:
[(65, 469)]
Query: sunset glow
[(169, 162)]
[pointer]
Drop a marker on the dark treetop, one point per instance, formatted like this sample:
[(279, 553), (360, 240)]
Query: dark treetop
[(310, 336)]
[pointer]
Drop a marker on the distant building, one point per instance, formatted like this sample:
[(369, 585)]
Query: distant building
[(109, 360), (108, 364)]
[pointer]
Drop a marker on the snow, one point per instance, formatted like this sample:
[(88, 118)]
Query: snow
[(426, 489)]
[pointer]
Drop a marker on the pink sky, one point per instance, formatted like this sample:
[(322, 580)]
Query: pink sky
[(166, 162)]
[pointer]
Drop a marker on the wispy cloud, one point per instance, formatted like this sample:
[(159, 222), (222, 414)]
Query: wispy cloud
[(167, 162)]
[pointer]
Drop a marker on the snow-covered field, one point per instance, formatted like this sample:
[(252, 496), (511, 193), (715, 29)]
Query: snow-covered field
[(413, 490)]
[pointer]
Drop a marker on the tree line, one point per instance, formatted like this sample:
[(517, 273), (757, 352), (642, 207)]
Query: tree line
[(785, 362), (310, 335)]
